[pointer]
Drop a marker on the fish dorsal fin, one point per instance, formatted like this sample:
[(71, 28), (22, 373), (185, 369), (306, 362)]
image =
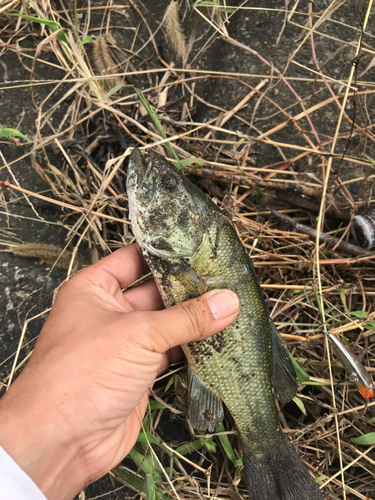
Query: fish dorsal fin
[(206, 412), (284, 376)]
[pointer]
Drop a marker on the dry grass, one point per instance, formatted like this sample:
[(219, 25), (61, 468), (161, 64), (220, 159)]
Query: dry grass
[(309, 122)]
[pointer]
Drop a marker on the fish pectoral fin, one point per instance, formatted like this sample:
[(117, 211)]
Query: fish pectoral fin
[(284, 377), (190, 279), (206, 412)]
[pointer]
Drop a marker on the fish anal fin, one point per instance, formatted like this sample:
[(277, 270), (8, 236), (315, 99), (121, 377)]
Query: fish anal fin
[(206, 410), (284, 378)]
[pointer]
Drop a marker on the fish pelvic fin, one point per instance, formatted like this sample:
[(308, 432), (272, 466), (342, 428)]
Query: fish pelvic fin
[(206, 410), (281, 475)]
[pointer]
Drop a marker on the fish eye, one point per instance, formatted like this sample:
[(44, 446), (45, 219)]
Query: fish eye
[(170, 181)]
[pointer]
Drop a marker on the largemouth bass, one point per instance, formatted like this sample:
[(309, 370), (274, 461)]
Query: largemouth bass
[(191, 248)]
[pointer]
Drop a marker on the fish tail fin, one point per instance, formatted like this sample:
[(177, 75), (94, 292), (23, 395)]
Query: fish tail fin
[(281, 475)]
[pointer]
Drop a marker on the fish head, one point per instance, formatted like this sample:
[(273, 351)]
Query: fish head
[(168, 213)]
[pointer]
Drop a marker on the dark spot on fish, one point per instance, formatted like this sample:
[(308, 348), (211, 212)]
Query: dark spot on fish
[(237, 361), (183, 218), (217, 342), (216, 243), (163, 245), (208, 415), (245, 376)]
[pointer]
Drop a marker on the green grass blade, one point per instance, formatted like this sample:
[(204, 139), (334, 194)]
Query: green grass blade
[(150, 487), (130, 479), (301, 374), (8, 132), (52, 25), (146, 464), (156, 121), (225, 443)]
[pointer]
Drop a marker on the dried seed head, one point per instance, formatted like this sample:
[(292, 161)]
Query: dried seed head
[(104, 62), (49, 254), (173, 28)]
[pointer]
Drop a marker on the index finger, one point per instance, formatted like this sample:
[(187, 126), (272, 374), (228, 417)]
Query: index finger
[(118, 270)]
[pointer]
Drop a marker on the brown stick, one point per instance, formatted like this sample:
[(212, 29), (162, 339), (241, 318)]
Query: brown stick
[(297, 201), (324, 238), (253, 181)]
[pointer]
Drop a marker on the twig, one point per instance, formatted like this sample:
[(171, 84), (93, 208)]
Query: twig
[(323, 238), (298, 201), (253, 181)]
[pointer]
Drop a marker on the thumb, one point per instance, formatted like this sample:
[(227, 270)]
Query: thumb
[(193, 320)]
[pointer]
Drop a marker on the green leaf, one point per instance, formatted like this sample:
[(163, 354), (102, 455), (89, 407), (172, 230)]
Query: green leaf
[(301, 374), (205, 3), (87, 39), (372, 420), (229, 10), (366, 439), (187, 448), (155, 405), (370, 160), (186, 162), (209, 444), (320, 479), (8, 132), (169, 383), (370, 325), (300, 404), (53, 25), (358, 314)]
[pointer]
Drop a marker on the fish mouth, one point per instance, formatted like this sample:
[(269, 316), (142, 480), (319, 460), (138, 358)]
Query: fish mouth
[(137, 169)]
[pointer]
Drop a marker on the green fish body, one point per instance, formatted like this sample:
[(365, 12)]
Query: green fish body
[(191, 248)]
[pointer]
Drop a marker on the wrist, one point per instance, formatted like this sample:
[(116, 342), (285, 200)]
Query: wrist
[(34, 435)]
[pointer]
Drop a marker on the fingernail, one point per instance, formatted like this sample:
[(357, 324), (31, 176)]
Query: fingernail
[(223, 303)]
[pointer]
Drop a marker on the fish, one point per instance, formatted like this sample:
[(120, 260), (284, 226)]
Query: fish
[(355, 369), (191, 248)]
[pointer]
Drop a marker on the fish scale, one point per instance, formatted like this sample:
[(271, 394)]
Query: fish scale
[(246, 355), (192, 248)]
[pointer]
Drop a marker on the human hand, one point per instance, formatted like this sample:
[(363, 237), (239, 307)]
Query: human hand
[(76, 409)]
